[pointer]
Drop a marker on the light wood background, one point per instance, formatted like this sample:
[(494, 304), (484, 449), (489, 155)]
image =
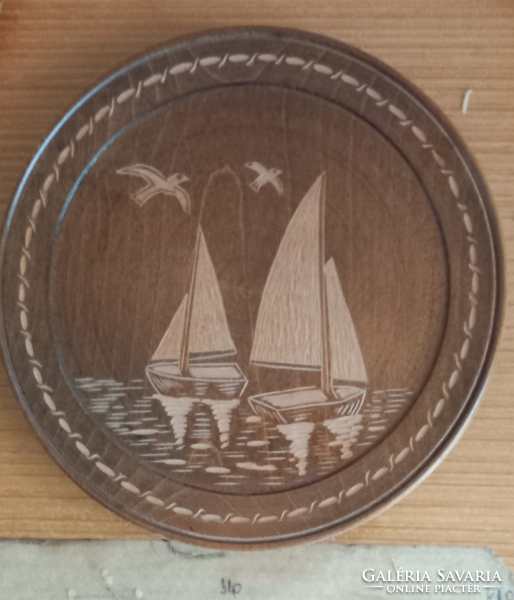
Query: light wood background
[(53, 51)]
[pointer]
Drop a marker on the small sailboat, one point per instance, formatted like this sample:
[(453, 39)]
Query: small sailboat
[(188, 362), (304, 324)]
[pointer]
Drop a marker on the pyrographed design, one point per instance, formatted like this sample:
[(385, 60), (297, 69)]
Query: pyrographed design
[(158, 184), (264, 176), (201, 420), (198, 335), (224, 445), (183, 367), (304, 323), (381, 404)]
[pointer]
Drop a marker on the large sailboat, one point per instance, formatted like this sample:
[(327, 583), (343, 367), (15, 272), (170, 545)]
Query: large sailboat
[(304, 324), (190, 361)]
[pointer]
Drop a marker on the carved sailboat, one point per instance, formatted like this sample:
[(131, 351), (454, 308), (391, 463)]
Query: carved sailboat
[(304, 324), (189, 360)]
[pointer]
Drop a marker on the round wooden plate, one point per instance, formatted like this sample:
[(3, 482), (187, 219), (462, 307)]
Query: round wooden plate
[(251, 288)]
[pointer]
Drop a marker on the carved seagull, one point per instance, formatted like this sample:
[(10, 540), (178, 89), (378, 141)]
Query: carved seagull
[(265, 176), (158, 184)]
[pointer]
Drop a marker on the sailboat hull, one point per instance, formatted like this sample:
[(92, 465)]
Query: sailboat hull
[(309, 404), (216, 381)]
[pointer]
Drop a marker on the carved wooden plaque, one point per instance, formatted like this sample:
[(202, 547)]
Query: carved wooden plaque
[(251, 288)]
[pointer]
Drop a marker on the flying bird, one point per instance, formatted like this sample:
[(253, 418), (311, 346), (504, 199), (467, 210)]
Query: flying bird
[(158, 184), (265, 176)]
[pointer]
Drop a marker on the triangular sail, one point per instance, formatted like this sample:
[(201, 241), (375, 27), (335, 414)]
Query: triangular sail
[(209, 333), (288, 332), (171, 343), (346, 362)]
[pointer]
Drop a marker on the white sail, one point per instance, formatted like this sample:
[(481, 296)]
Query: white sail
[(209, 333), (346, 362), (288, 329), (171, 343)]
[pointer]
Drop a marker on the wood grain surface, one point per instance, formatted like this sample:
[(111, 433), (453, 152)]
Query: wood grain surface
[(52, 52)]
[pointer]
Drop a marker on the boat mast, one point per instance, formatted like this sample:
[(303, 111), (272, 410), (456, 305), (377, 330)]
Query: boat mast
[(326, 375), (184, 352)]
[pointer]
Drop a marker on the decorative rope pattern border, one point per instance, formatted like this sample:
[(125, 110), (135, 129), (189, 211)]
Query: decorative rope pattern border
[(106, 112)]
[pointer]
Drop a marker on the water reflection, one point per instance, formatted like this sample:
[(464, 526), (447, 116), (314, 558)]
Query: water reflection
[(222, 444)]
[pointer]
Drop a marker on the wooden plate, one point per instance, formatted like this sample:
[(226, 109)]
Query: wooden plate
[(251, 288)]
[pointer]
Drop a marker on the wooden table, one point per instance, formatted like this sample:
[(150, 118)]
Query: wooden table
[(53, 51)]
